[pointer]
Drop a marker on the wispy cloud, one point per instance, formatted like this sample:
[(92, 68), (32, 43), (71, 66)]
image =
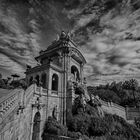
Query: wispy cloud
[(108, 36), (25, 29)]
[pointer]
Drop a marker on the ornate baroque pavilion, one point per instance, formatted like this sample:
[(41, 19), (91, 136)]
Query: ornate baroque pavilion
[(61, 64)]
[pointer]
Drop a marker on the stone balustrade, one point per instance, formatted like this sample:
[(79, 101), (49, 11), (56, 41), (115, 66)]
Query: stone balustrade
[(132, 113), (9, 103), (113, 108), (55, 137), (28, 93)]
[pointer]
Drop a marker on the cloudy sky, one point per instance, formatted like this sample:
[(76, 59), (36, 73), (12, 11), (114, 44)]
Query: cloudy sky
[(106, 31)]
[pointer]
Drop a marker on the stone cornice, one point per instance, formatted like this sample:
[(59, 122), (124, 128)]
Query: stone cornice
[(55, 67), (37, 68), (74, 49)]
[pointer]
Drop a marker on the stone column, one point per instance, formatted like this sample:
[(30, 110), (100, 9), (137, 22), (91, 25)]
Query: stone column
[(81, 73), (70, 98), (64, 88)]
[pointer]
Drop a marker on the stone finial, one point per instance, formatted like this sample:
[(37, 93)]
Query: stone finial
[(62, 35)]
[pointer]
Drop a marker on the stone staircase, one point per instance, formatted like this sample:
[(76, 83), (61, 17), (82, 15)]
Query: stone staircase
[(9, 103)]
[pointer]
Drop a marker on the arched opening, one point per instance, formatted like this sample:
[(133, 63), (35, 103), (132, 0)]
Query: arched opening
[(37, 80), (55, 82), (43, 80), (36, 126), (75, 72), (31, 80)]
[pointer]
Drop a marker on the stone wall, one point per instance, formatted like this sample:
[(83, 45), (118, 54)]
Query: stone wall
[(113, 108), (18, 110), (9, 118), (128, 113), (132, 113), (9, 127), (16, 115)]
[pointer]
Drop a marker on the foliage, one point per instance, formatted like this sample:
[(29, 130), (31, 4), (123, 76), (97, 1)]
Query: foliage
[(86, 123), (2, 83), (79, 90), (125, 93), (77, 105), (73, 134), (52, 126), (110, 127), (18, 83), (137, 122), (8, 84), (98, 127), (108, 95)]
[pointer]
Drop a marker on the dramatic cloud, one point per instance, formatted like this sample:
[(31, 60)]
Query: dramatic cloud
[(107, 32), (26, 27)]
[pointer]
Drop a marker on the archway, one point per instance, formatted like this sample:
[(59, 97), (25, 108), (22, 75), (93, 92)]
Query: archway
[(37, 80), (43, 80), (36, 126), (75, 72), (55, 82), (31, 80)]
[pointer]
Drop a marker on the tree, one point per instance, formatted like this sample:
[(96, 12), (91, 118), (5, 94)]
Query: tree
[(79, 90), (131, 84), (2, 83), (108, 95), (52, 126)]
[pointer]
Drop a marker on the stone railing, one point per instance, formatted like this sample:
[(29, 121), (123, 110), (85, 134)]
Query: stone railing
[(28, 93), (40, 90), (9, 103), (132, 113), (113, 108), (55, 137), (128, 113)]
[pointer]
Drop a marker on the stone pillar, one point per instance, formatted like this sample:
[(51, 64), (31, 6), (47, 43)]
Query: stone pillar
[(64, 88), (70, 98), (81, 73)]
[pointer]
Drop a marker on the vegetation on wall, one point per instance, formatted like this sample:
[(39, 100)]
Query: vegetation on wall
[(125, 93), (86, 123)]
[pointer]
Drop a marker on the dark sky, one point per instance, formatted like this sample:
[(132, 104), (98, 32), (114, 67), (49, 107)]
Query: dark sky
[(107, 32)]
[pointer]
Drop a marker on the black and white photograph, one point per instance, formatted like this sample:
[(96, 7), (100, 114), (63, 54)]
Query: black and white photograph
[(69, 69)]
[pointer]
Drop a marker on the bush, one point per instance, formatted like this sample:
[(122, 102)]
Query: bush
[(108, 95), (55, 128), (78, 106), (80, 123), (98, 127), (137, 122), (75, 135), (79, 90)]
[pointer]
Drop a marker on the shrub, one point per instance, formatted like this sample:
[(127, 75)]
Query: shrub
[(55, 128), (137, 122), (98, 127), (80, 123), (75, 135), (79, 90)]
